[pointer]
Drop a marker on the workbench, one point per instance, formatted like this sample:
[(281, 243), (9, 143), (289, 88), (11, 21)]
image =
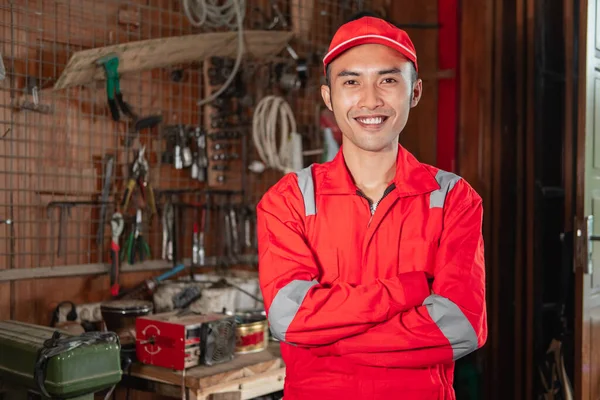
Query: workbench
[(245, 377)]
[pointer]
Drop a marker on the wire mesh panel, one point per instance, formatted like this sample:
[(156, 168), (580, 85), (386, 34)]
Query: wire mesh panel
[(66, 162)]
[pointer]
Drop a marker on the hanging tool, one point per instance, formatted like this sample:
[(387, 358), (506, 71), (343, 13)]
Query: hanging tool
[(2, 69), (109, 161), (136, 244), (110, 64), (201, 251), (139, 125), (286, 80), (139, 177), (167, 225), (32, 88), (64, 214), (117, 224), (195, 244), (235, 241), (200, 159)]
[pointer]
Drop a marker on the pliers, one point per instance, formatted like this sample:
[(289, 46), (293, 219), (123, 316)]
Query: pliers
[(136, 244), (139, 177)]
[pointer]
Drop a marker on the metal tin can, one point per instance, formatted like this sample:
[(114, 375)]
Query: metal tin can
[(119, 316), (252, 331)]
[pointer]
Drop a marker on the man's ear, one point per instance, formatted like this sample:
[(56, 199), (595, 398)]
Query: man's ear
[(326, 94), (416, 93)]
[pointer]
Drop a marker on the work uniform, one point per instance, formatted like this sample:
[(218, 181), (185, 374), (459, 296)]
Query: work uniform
[(346, 281)]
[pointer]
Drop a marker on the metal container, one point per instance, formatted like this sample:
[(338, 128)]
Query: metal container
[(120, 315), (252, 331), (64, 365)]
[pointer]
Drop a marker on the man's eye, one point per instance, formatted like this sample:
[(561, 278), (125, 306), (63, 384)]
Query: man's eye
[(350, 82), (389, 80)]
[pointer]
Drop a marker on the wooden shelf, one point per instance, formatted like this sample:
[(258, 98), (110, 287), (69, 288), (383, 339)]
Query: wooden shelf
[(248, 376), (164, 52)]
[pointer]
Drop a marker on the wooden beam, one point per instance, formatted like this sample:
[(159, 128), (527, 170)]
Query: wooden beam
[(99, 268), (149, 54)]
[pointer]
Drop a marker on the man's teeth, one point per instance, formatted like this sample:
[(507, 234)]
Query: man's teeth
[(370, 121)]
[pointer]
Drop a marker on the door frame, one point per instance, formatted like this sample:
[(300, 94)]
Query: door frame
[(578, 132)]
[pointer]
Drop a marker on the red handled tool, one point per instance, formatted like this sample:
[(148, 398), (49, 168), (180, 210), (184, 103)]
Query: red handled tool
[(116, 224)]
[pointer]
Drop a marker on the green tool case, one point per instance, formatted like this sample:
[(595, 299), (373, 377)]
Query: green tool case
[(55, 363)]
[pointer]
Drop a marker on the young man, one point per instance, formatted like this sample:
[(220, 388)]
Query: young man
[(372, 265)]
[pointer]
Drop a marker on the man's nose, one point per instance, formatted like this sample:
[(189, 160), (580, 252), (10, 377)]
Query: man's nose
[(370, 97)]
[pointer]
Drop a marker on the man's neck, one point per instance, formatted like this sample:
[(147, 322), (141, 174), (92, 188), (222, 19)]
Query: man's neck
[(372, 171)]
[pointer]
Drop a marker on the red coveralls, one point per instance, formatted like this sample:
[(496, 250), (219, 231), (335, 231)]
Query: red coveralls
[(346, 290)]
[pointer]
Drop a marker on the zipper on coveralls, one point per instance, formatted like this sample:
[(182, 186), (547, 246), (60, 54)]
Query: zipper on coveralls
[(373, 205)]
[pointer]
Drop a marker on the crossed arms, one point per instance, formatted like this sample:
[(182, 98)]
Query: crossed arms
[(395, 322)]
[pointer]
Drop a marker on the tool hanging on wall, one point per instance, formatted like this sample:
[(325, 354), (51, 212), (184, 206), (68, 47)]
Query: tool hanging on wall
[(198, 250), (64, 214), (136, 247), (117, 224), (32, 89), (110, 64), (2, 69), (139, 125), (109, 161), (139, 177), (168, 233), (287, 80), (200, 162)]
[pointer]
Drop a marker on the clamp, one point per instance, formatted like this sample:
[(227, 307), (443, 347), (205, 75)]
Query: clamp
[(110, 64)]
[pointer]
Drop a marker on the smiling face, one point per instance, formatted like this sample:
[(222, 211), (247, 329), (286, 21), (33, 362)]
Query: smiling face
[(370, 92)]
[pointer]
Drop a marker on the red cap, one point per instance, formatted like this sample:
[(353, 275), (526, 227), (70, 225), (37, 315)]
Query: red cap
[(370, 30)]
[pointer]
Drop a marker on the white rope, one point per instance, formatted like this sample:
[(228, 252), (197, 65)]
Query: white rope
[(209, 13), (272, 115)]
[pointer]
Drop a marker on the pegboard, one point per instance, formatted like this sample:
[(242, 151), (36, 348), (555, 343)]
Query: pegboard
[(56, 145)]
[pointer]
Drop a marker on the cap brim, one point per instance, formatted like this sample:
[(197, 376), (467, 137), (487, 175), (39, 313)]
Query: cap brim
[(369, 39)]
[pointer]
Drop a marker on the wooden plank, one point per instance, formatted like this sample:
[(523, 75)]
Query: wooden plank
[(241, 366), (99, 268), (245, 388), (249, 387), (159, 53)]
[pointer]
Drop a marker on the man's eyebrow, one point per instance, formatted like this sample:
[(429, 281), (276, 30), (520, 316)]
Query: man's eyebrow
[(348, 73), (390, 71)]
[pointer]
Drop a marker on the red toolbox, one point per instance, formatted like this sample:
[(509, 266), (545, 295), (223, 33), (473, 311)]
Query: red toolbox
[(178, 341)]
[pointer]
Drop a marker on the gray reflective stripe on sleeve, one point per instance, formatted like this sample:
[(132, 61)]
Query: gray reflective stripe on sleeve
[(285, 306), (446, 180), (307, 187), (453, 324)]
